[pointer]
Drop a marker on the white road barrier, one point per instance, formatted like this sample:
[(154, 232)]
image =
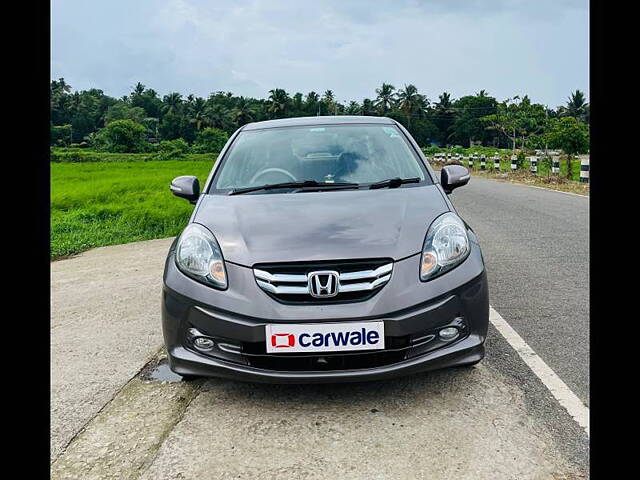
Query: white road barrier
[(555, 166), (533, 161), (483, 163), (496, 162), (514, 162), (584, 170)]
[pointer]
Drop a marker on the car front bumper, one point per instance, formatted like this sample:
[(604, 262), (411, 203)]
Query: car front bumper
[(412, 311)]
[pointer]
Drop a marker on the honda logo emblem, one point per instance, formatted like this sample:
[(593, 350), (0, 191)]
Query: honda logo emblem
[(323, 284)]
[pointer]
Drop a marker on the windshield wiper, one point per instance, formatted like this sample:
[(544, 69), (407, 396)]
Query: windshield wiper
[(297, 185), (394, 182)]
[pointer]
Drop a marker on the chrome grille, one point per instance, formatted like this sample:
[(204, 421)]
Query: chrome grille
[(356, 280)]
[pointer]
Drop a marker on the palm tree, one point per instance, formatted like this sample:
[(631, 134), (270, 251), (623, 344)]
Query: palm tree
[(138, 89), (311, 103), (411, 102), (368, 108), (217, 115), (329, 100), (354, 108), (278, 102), (444, 114), (172, 102), (577, 106), (197, 111), (386, 98), (244, 112)]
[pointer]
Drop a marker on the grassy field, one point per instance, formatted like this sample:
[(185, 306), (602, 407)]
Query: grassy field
[(108, 203)]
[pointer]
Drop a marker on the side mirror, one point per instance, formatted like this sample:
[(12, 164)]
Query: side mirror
[(452, 177), (187, 187)]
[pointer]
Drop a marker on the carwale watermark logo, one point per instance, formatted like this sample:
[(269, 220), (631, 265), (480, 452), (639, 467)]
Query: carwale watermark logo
[(324, 337), (283, 340)]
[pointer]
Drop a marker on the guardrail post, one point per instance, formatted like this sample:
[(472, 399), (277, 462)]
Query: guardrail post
[(555, 165), (534, 165), (496, 162), (448, 157), (514, 163), (470, 161), (483, 162), (584, 170)]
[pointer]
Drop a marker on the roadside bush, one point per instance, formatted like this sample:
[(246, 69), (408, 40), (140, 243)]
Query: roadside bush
[(210, 140)]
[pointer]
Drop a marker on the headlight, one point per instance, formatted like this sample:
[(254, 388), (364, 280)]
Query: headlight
[(198, 255), (445, 246)]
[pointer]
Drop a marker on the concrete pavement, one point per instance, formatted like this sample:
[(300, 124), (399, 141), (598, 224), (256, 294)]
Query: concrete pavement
[(105, 326)]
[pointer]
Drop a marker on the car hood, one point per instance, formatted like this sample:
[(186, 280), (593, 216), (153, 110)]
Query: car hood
[(314, 226)]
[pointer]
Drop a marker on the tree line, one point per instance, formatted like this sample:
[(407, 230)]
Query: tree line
[(143, 119)]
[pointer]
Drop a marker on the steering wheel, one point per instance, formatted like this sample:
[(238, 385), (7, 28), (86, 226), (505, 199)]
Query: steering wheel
[(281, 171)]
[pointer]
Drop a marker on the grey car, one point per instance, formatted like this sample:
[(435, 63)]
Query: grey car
[(323, 249)]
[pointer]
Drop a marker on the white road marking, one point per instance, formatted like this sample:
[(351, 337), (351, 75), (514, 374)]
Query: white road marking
[(551, 190), (556, 386)]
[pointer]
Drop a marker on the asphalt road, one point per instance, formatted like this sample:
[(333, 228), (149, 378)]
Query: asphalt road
[(111, 419), (535, 244)]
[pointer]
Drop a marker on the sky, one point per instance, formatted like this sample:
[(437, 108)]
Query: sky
[(248, 47)]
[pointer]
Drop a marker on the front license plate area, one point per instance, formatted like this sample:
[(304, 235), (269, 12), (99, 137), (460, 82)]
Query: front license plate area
[(324, 337)]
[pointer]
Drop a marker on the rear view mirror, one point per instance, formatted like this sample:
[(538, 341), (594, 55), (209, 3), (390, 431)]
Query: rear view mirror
[(453, 176), (186, 186)]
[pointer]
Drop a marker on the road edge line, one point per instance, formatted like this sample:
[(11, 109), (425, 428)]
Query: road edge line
[(560, 391), (550, 189)]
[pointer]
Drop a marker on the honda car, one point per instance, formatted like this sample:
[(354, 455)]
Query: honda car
[(323, 249)]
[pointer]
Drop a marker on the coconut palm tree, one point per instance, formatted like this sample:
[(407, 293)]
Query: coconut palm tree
[(244, 112), (368, 108), (311, 103), (197, 112), (386, 98), (138, 89), (353, 108), (411, 103), (444, 115), (278, 102), (217, 115), (329, 100), (172, 102), (577, 106)]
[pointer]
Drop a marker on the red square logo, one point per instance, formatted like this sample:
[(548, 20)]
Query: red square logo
[(283, 340)]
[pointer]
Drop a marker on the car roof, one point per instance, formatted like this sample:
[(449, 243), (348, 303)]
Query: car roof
[(319, 120)]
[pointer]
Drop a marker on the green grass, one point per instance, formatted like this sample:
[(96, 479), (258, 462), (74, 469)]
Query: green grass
[(109, 203)]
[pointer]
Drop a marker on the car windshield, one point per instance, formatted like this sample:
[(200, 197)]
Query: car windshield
[(361, 154)]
